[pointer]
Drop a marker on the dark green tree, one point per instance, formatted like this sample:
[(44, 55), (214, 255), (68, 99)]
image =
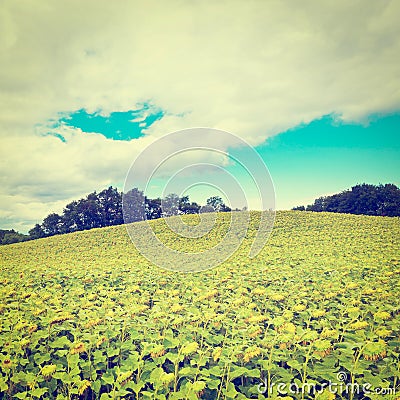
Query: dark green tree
[(362, 199), (8, 236), (153, 208), (53, 224), (36, 232), (217, 204), (110, 206), (170, 205), (134, 206), (187, 207)]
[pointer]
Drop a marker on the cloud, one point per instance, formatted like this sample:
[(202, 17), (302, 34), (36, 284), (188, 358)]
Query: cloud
[(254, 68)]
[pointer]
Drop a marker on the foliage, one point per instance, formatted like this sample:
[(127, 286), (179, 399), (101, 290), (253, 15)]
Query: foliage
[(85, 316), (361, 199), (103, 209), (217, 204), (8, 236)]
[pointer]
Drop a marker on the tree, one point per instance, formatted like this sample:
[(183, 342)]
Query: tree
[(36, 232), (134, 206), (388, 200), (52, 224), (170, 205), (217, 204), (110, 205), (8, 236), (72, 221), (153, 208), (361, 199), (187, 207)]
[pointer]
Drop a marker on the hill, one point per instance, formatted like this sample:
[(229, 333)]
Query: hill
[(85, 314)]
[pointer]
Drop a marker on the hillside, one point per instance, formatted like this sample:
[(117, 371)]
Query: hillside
[(321, 297)]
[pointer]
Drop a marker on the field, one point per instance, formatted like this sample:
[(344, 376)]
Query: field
[(85, 316)]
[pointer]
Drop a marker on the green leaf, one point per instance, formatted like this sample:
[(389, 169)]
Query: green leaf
[(187, 371), (112, 352), (136, 387), (38, 392), (62, 376), (213, 383), (96, 386), (173, 357), (155, 375), (240, 371), (123, 393), (73, 360), (23, 361), (108, 378), (189, 348), (60, 343), (197, 386), (3, 384), (295, 365), (374, 380), (41, 358), (216, 371), (230, 392), (75, 371), (21, 395)]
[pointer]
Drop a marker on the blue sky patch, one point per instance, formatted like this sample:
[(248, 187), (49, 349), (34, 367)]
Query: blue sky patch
[(126, 125), (382, 132), (327, 156)]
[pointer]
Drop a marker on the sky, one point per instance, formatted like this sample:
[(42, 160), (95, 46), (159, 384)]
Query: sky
[(86, 87)]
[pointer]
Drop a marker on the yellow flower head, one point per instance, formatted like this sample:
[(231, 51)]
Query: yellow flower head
[(359, 325), (157, 351), (217, 353), (352, 285), (375, 350), (176, 308), (287, 327), (101, 341), (259, 291), (318, 313), (7, 363), (255, 331), (383, 315), (61, 318), (383, 332), (85, 384), (299, 307), (277, 297), (78, 348), (48, 370), (251, 352), (256, 319), (328, 333)]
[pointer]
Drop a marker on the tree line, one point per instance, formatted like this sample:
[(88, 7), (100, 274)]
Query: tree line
[(105, 208), (8, 236), (383, 200)]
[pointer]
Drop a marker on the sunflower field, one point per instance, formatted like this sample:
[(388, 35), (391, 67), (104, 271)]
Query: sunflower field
[(85, 316)]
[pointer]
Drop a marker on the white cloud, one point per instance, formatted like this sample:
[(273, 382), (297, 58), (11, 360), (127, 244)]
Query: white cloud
[(254, 68)]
